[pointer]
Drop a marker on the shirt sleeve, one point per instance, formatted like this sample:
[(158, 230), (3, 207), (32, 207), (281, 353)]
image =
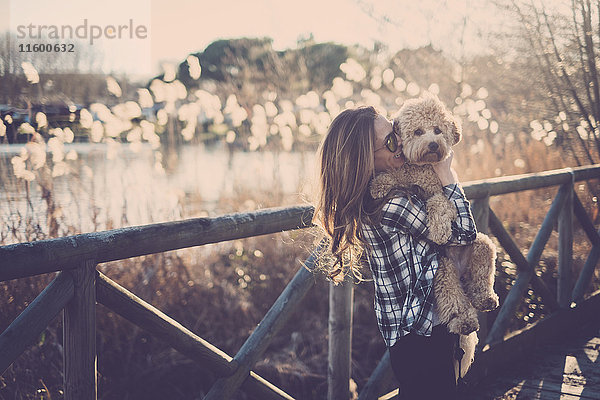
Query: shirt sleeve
[(464, 230), (405, 214)]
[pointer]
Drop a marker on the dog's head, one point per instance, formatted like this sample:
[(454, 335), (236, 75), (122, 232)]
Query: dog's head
[(427, 130)]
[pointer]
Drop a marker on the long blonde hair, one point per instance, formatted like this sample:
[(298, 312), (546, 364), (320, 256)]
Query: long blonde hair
[(346, 157)]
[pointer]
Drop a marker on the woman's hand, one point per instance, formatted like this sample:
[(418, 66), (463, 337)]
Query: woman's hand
[(445, 171)]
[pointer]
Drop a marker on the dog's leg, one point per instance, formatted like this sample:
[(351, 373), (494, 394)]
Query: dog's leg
[(478, 278), (453, 307), (440, 215)]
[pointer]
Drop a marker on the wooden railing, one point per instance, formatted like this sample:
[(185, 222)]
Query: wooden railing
[(79, 285)]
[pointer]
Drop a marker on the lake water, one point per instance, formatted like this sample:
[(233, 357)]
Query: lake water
[(115, 186)]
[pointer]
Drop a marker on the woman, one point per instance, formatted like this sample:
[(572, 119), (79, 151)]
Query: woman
[(391, 235)]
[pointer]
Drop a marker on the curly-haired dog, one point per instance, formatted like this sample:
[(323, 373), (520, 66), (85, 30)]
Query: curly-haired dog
[(428, 131)]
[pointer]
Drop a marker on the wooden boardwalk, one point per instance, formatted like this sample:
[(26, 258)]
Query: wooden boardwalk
[(568, 370)]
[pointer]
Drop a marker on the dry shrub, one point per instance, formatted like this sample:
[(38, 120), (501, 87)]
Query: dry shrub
[(222, 291)]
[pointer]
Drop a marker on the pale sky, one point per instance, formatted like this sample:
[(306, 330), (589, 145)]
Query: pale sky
[(179, 27)]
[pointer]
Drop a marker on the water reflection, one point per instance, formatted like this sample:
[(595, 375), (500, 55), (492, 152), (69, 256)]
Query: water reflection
[(110, 187)]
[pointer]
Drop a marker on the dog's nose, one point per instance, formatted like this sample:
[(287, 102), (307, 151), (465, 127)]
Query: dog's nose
[(433, 146)]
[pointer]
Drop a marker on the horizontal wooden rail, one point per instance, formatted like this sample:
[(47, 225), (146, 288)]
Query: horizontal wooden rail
[(33, 258), (517, 183), (28, 326), (154, 321)]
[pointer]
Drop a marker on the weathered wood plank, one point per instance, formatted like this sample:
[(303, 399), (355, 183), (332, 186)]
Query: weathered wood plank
[(517, 345), (154, 321), (508, 244), (566, 364), (393, 395), (565, 250), (79, 335), (27, 259), (339, 369), (517, 183), (271, 324), (568, 368), (540, 391), (28, 326), (380, 379), (515, 295)]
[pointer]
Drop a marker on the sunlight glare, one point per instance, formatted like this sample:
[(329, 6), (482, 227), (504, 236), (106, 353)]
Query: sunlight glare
[(194, 67), (30, 72), (113, 86)]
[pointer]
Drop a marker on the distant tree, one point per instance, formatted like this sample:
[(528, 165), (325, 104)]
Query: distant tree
[(221, 60), (556, 53), (253, 60), (322, 61), (426, 65)]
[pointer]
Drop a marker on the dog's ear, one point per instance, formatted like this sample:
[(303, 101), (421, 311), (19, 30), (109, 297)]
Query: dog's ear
[(396, 126), (456, 129)]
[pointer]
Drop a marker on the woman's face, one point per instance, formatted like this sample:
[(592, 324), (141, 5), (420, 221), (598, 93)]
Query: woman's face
[(384, 158)]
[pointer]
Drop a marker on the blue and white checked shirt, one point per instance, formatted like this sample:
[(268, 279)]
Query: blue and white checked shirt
[(404, 262)]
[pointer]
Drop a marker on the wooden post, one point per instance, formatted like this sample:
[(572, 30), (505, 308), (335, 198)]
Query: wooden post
[(339, 368), (565, 249), (481, 214), (79, 335)]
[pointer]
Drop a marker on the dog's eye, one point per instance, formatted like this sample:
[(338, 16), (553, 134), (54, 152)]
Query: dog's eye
[(437, 130), (418, 132)]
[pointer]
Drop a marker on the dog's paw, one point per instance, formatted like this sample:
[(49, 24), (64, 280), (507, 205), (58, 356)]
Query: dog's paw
[(485, 301), (464, 321), (440, 214), (464, 324)]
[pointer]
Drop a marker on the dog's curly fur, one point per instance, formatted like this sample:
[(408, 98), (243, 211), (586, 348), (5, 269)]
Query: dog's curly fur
[(428, 131)]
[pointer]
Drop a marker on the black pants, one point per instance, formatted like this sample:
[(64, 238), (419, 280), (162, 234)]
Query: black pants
[(424, 366)]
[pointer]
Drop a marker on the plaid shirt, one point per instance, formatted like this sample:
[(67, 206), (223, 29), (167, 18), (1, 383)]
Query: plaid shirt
[(404, 262)]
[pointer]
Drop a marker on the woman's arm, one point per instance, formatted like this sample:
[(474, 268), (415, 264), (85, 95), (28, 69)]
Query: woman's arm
[(464, 230)]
